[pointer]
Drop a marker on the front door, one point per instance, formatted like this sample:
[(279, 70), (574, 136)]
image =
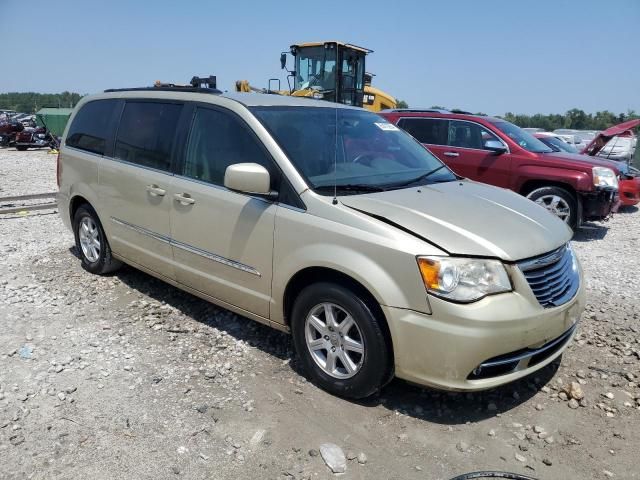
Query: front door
[(466, 155), (135, 185), (222, 240)]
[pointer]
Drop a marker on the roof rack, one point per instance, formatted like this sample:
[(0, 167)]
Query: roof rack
[(197, 85), (415, 110)]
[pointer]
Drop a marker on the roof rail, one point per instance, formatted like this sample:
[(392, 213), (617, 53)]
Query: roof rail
[(415, 110), (197, 85)]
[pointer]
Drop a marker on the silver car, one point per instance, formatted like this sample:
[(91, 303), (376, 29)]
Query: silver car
[(325, 221)]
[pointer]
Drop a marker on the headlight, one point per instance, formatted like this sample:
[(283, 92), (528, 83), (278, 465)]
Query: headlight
[(318, 95), (604, 177), (463, 279)]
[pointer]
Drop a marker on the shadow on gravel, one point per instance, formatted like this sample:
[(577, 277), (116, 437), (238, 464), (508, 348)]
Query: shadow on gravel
[(253, 333), (628, 209), (590, 231), (454, 408), (448, 408)]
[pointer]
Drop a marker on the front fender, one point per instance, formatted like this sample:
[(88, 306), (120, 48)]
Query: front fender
[(578, 180), (388, 270)]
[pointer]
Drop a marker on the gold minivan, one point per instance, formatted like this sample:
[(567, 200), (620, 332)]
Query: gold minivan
[(325, 221)]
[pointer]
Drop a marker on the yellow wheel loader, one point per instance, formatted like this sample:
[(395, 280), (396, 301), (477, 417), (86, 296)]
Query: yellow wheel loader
[(332, 71)]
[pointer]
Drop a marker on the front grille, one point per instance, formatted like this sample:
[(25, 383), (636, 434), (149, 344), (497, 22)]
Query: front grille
[(554, 277)]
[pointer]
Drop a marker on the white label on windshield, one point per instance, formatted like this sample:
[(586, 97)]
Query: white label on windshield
[(389, 127)]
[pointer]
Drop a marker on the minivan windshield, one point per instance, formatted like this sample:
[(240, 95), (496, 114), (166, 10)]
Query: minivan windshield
[(356, 150), (522, 138)]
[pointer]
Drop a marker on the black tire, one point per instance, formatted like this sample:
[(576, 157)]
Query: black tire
[(569, 199), (377, 360), (105, 263), (21, 148)]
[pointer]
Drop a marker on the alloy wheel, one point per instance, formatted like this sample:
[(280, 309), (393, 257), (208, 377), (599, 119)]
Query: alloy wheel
[(334, 340), (89, 236), (556, 205)]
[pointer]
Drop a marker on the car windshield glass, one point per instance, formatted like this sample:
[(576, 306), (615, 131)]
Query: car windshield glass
[(362, 152), (562, 146), (522, 138)]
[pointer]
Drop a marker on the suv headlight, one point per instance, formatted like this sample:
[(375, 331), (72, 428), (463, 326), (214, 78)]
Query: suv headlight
[(463, 279), (604, 177)]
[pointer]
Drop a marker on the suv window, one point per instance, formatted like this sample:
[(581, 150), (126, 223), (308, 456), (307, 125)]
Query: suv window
[(146, 133), (468, 135), (217, 140), (426, 130), (91, 126)]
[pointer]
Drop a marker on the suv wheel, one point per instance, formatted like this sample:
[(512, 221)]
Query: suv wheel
[(340, 341), (91, 242), (559, 202)]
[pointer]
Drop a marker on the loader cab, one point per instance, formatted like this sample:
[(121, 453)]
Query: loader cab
[(331, 71)]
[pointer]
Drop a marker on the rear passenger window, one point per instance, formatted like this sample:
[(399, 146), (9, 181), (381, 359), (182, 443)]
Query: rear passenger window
[(91, 126), (217, 140), (146, 133), (426, 130)]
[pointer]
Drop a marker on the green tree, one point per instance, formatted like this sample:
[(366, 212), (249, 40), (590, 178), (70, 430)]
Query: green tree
[(401, 104)]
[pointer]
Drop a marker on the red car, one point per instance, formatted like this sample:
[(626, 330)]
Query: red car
[(494, 151), (628, 178), (8, 131)]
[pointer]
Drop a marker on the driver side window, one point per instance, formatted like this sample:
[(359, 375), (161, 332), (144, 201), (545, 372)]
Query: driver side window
[(468, 135), (217, 140)]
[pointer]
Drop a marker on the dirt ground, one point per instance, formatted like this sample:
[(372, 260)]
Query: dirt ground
[(124, 377)]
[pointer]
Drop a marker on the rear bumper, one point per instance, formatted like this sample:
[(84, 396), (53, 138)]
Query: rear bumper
[(481, 345), (599, 204)]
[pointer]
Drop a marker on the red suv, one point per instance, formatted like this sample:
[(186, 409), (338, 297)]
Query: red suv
[(494, 151)]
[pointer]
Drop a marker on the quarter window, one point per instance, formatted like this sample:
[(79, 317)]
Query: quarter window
[(146, 133), (426, 130), (91, 126), (218, 140), (468, 135)]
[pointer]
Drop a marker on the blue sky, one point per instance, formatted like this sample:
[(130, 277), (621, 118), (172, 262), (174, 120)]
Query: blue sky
[(542, 56)]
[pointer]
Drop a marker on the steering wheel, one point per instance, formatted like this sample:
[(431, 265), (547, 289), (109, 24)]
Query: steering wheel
[(360, 159)]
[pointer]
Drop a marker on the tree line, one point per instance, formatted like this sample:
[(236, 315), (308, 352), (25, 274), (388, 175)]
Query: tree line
[(575, 118), (31, 102)]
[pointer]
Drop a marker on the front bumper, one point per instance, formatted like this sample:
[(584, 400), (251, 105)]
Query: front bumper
[(445, 349), (629, 191), (599, 204)]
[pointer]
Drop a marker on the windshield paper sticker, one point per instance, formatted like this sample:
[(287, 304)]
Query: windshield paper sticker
[(389, 127)]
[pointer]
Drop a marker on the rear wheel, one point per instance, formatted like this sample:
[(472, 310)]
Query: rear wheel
[(558, 201), (340, 341), (91, 242)]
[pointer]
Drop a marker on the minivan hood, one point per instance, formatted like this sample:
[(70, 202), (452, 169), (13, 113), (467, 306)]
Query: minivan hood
[(468, 218)]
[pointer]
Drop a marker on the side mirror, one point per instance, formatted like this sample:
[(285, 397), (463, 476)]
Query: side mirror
[(495, 146), (248, 178), (283, 61)]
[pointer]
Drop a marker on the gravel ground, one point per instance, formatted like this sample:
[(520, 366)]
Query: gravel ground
[(126, 377)]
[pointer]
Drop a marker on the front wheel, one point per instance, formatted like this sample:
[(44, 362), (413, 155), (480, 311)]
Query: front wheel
[(559, 202), (340, 341)]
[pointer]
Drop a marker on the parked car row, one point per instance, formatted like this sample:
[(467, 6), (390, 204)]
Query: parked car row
[(491, 150), (23, 132)]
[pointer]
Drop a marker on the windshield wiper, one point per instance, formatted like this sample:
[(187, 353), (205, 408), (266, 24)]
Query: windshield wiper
[(352, 187), (417, 179)]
